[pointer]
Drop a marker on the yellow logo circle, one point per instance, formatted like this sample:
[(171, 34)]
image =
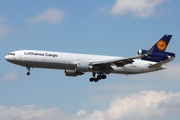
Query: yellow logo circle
[(161, 45)]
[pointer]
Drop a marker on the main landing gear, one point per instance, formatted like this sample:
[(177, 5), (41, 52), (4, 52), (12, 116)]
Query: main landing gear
[(28, 70), (99, 77)]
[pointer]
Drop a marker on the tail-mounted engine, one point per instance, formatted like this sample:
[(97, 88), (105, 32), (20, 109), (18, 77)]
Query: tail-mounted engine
[(156, 56)]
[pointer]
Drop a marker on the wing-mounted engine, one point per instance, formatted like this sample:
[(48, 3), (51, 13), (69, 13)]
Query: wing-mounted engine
[(82, 67), (79, 69), (73, 73), (156, 56)]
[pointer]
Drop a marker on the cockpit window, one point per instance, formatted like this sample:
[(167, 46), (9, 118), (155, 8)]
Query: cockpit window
[(12, 54)]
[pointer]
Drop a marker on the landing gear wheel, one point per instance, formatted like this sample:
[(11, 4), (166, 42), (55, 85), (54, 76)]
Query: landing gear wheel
[(99, 77), (103, 76), (28, 73), (91, 79), (96, 80)]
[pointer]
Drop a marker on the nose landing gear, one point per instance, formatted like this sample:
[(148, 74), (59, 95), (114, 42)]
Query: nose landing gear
[(28, 69)]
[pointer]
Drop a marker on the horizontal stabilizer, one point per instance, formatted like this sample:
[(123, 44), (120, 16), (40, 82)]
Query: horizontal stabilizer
[(161, 63)]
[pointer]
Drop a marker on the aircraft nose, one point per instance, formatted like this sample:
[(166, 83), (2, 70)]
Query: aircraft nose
[(7, 57)]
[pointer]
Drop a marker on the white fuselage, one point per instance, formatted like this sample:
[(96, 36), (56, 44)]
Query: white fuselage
[(68, 61)]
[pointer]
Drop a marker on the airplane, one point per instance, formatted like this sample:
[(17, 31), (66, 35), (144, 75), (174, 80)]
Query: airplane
[(75, 64)]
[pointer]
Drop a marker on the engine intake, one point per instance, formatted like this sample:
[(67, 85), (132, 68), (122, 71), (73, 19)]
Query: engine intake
[(140, 52)]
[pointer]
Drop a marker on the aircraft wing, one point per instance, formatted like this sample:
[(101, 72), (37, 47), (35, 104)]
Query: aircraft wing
[(117, 62), (106, 65)]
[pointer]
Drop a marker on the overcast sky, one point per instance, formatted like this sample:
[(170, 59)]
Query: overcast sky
[(107, 27)]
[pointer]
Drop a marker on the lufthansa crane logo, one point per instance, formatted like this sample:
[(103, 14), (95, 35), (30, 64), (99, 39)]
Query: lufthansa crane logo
[(161, 45)]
